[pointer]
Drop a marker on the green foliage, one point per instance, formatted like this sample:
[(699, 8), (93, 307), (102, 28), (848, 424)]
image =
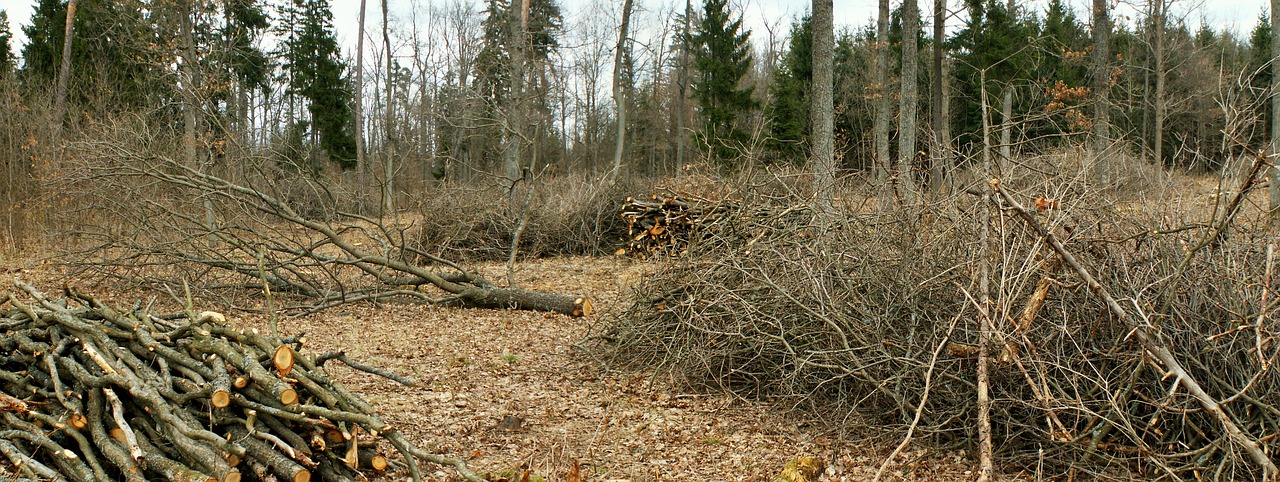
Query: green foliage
[(995, 40), (721, 58), (114, 60), (310, 55), (245, 24), (1063, 46), (789, 123), (6, 52)]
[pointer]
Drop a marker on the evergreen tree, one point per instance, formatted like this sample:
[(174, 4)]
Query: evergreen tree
[(1064, 40), (789, 111), (316, 73), (721, 58), (6, 53), (115, 65), (994, 40)]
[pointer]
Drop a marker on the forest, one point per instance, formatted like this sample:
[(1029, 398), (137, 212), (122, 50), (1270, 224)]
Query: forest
[(638, 240)]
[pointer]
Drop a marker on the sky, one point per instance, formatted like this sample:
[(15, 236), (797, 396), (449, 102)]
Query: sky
[(1234, 15)]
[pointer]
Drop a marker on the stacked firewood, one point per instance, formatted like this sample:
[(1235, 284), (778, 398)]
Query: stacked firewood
[(664, 224), (92, 393)]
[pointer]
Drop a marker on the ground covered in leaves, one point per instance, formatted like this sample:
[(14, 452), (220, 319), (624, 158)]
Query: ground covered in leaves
[(511, 390)]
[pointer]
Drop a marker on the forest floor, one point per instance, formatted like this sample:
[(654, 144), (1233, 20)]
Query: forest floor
[(509, 390)]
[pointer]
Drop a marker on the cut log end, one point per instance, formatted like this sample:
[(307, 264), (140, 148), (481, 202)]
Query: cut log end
[(79, 421), (232, 476), (303, 475), (289, 396), (220, 399), (283, 359), (240, 382)]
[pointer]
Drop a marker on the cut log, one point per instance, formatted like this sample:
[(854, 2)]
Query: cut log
[(283, 360), (371, 459)]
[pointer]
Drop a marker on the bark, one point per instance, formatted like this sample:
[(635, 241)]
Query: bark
[(64, 72), (1275, 110), (361, 165), (684, 88), (388, 150), (985, 463), (619, 90), (515, 128), (1160, 12), (191, 79), (910, 97), (1101, 80), (880, 130), (938, 112), (823, 109)]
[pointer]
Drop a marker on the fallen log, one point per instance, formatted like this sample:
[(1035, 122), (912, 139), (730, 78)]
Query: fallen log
[(94, 393)]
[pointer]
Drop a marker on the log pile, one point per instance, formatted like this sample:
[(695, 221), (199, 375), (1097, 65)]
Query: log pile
[(93, 393), (663, 224)]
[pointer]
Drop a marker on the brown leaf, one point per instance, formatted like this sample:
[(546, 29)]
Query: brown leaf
[(575, 473)]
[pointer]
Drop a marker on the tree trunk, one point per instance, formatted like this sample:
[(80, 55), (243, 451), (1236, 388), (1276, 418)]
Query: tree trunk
[(515, 112), (64, 73), (684, 88), (1275, 107), (619, 90), (822, 110), (1006, 129), (939, 160), (1160, 12), (191, 100), (910, 96), (1101, 81), (389, 150), (880, 130), (985, 463), (361, 165)]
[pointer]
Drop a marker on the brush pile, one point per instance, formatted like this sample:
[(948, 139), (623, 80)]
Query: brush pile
[(667, 223), (92, 393)]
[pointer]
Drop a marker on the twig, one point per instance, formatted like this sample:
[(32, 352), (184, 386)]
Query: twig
[(924, 398), (342, 357)]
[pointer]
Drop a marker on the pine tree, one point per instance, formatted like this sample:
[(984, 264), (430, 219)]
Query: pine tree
[(994, 40), (115, 64), (721, 58), (316, 73), (6, 53), (789, 110)]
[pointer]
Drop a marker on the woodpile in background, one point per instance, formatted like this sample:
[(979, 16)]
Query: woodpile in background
[(93, 393), (663, 224)]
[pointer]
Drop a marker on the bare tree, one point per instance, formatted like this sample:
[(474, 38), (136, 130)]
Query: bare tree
[(881, 92), (619, 90), (64, 73), (389, 147), (516, 116), (1159, 14), (360, 161), (910, 96), (684, 86), (937, 109), (822, 111)]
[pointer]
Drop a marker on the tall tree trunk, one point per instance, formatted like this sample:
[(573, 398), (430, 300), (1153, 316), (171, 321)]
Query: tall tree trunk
[(986, 466), (619, 90), (1006, 112), (1275, 108), (880, 130), (515, 111), (910, 97), (361, 164), (1160, 7), (64, 73), (191, 105), (389, 148), (822, 110), (684, 87), (940, 159), (1101, 80)]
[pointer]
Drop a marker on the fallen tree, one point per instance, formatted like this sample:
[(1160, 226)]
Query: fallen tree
[(264, 233), (93, 393)]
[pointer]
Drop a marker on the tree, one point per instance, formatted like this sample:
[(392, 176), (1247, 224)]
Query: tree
[(310, 55), (64, 72), (938, 101), (1101, 78), (619, 99), (823, 110), (880, 92), (721, 58), (361, 166), (1275, 109), (909, 99), (6, 52), (789, 108)]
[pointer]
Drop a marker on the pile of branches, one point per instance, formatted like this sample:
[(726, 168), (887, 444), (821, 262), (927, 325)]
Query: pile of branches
[(667, 223), (93, 393), (1171, 377)]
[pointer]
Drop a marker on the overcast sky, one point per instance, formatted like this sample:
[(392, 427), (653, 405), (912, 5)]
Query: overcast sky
[(1235, 15)]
